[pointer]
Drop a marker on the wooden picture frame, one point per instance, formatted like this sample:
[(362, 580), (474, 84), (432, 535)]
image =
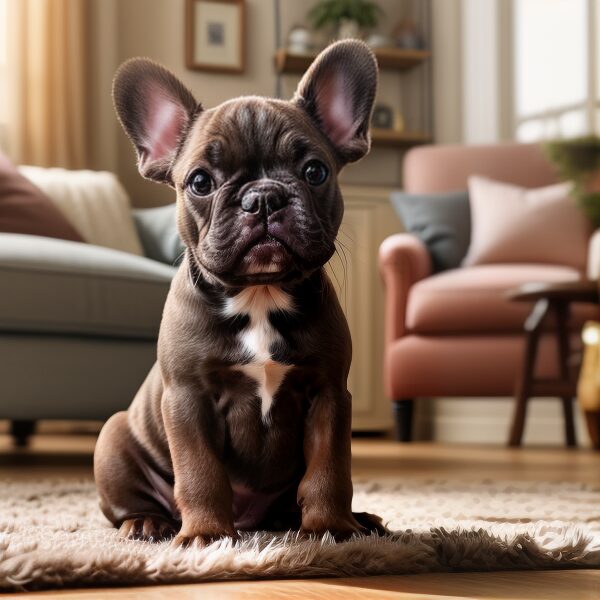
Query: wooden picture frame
[(215, 36)]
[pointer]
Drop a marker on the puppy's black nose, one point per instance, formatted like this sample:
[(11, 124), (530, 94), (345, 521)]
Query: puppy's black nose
[(262, 200)]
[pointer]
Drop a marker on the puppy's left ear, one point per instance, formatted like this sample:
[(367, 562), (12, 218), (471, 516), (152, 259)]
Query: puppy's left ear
[(156, 111), (337, 92)]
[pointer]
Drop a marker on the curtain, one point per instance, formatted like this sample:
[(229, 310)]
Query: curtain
[(48, 82)]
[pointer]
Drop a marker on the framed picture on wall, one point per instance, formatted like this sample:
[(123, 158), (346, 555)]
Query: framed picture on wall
[(215, 35)]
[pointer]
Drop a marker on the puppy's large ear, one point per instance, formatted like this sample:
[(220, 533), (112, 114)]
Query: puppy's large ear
[(156, 110), (337, 92)]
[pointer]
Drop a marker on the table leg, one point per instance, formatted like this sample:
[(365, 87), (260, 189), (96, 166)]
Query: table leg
[(564, 352), (533, 326)]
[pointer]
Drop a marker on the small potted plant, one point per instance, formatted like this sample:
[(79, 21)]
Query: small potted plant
[(578, 160), (347, 17), (588, 387)]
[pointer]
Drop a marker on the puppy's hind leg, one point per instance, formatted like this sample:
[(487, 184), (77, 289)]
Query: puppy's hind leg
[(128, 498)]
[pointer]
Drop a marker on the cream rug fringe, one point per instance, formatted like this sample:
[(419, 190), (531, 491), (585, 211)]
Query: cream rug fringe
[(52, 534)]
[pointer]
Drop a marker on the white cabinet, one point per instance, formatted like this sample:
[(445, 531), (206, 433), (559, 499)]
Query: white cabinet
[(368, 219)]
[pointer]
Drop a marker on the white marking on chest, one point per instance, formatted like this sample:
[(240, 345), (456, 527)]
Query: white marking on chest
[(257, 339)]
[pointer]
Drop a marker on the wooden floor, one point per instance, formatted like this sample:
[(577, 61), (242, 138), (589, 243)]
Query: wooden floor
[(71, 456)]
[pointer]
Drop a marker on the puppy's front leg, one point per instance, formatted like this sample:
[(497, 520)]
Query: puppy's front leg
[(202, 488), (325, 492)]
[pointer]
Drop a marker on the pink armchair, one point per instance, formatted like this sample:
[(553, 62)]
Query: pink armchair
[(455, 333)]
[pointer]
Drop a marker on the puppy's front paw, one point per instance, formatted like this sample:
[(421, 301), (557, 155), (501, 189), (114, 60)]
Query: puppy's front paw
[(372, 523), (340, 527), (201, 539), (147, 529)]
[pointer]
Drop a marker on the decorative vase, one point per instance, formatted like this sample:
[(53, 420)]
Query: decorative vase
[(300, 40), (588, 387), (347, 29), (379, 40), (592, 419)]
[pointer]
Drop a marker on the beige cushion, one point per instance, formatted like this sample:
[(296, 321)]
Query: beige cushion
[(60, 287), (511, 224), (94, 202), (473, 299)]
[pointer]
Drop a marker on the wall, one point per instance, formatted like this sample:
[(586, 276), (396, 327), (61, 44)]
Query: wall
[(154, 28), (104, 59), (447, 75), (480, 67)]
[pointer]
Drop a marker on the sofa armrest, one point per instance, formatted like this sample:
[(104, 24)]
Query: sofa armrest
[(593, 259), (403, 260)]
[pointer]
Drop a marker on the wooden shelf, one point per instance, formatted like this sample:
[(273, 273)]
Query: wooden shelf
[(400, 59), (388, 58), (398, 139)]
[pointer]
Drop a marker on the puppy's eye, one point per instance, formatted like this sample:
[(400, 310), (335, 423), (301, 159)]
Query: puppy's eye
[(200, 183), (315, 172)]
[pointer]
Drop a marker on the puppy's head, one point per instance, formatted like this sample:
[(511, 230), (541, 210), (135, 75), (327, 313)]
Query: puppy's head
[(256, 178)]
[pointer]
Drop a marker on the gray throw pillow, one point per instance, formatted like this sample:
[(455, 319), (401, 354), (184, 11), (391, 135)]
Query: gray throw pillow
[(441, 221), (157, 228)]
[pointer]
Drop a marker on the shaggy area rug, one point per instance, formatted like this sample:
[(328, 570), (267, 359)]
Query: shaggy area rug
[(52, 534)]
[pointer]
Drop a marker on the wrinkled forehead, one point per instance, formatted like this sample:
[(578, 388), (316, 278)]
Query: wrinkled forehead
[(250, 131)]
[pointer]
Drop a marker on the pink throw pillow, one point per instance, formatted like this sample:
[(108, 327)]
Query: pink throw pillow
[(511, 224), (26, 209)]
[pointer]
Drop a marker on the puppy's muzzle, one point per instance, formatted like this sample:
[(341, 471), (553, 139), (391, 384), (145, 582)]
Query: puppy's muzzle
[(264, 199)]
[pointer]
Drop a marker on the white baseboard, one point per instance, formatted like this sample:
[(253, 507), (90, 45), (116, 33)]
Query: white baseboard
[(487, 421)]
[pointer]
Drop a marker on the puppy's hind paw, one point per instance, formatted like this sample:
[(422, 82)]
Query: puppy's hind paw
[(147, 529)]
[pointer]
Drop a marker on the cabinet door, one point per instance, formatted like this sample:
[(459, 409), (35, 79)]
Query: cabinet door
[(355, 275)]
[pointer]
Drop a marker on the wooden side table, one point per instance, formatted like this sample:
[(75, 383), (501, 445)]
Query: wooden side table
[(549, 298)]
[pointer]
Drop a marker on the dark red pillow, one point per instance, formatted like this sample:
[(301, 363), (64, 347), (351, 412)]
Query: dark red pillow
[(24, 208)]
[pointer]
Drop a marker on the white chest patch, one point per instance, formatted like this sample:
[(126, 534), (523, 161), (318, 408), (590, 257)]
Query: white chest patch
[(257, 339)]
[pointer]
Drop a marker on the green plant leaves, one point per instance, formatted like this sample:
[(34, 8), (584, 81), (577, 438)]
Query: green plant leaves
[(332, 12), (578, 160)]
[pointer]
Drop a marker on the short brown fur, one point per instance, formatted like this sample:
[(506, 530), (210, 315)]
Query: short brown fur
[(194, 454)]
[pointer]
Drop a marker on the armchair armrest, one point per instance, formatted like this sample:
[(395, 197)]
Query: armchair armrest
[(593, 259), (403, 260)]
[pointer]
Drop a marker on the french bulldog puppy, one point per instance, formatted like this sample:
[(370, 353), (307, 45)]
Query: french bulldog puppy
[(244, 421)]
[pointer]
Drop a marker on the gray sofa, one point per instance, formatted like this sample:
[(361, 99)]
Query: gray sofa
[(78, 328)]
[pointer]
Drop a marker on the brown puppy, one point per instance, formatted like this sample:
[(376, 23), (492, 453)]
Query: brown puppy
[(244, 421)]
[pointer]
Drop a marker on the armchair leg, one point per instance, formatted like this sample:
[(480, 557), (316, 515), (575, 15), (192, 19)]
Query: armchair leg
[(21, 430), (570, 435), (403, 419)]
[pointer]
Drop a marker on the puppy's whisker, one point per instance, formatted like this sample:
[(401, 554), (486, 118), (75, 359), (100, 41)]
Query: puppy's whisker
[(342, 230), (333, 271), (178, 259), (344, 262), (342, 285), (342, 244)]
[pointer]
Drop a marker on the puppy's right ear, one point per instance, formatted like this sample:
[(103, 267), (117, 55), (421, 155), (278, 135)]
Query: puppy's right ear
[(337, 92), (156, 111)]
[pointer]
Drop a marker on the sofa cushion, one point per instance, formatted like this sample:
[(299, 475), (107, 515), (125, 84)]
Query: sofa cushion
[(95, 203), (441, 221), (473, 299), (157, 229), (57, 286), (24, 208), (511, 224)]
